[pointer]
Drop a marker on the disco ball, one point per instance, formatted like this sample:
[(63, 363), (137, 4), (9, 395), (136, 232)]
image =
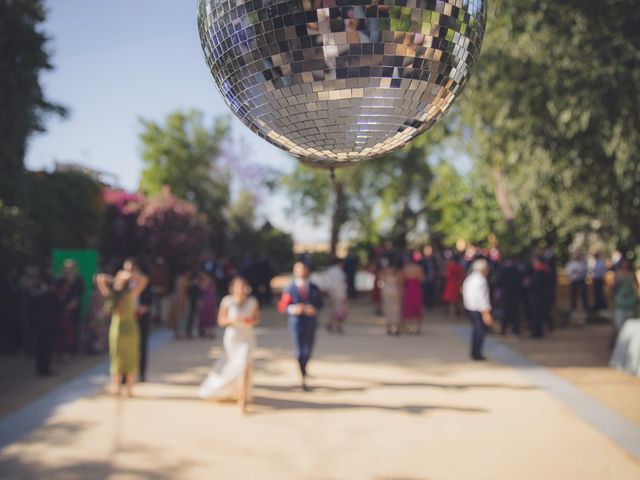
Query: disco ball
[(339, 81)]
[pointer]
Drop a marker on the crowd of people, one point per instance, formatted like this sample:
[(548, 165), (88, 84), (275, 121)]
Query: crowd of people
[(41, 315), (521, 287), (520, 290)]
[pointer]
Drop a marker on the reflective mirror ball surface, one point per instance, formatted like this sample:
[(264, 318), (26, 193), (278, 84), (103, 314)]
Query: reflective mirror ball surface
[(339, 81)]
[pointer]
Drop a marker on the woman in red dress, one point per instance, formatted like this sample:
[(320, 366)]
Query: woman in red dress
[(412, 310), (453, 278)]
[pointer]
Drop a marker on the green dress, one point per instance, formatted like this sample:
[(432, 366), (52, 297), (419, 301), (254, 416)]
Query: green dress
[(124, 338)]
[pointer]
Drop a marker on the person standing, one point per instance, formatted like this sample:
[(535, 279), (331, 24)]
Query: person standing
[(143, 313), (475, 293), (193, 294), (429, 268), (598, 273), (350, 270), (412, 306), (124, 334), (302, 300), (453, 277), (539, 297), (577, 271), (231, 375), (392, 289), (47, 305), (625, 294), (336, 290), (76, 292), (510, 283), (208, 306)]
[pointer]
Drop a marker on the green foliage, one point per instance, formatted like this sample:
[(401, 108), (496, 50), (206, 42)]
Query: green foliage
[(23, 57), (57, 210), (184, 154), (17, 237), (463, 208), (553, 103), (245, 238)]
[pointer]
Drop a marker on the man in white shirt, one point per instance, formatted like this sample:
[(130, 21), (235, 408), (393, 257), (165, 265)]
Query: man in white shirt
[(475, 293)]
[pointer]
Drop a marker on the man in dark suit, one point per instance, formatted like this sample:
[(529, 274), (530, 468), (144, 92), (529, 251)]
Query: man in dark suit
[(302, 300)]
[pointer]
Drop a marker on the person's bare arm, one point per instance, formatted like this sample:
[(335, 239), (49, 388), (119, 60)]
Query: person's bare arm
[(255, 317), (102, 282), (223, 316)]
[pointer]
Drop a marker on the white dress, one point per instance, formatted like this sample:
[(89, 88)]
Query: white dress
[(239, 342)]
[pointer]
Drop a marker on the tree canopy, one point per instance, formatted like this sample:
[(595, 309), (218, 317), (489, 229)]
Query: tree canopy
[(23, 105)]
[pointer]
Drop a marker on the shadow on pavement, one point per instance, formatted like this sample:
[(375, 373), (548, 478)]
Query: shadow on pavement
[(274, 403)]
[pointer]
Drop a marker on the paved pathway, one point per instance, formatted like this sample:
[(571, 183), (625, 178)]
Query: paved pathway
[(382, 408)]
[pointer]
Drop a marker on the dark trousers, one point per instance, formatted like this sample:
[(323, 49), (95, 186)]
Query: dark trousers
[(579, 287), (511, 315), (351, 285), (303, 333), (599, 302), (144, 323), (478, 333), (428, 294), (45, 345)]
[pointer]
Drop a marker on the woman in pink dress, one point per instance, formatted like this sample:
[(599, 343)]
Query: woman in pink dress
[(453, 278), (412, 299)]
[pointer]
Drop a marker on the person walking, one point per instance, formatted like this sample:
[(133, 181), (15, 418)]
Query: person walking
[(598, 273), (412, 306), (336, 289), (625, 294), (124, 334), (577, 271), (302, 300), (453, 277), (231, 375), (475, 293)]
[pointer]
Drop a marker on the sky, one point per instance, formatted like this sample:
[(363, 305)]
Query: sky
[(118, 61)]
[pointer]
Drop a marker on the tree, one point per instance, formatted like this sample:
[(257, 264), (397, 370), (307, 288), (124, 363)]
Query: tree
[(379, 198), (463, 207), (64, 209), (551, 112), (23, 57), (172, 229), (184, 155)]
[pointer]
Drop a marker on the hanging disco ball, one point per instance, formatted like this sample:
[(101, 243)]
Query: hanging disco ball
[(338, 81)]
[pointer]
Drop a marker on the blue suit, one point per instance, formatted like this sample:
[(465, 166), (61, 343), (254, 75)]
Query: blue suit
[(302, 327)]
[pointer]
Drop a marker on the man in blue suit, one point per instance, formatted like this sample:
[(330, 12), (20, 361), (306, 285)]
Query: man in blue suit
[(302, 300)]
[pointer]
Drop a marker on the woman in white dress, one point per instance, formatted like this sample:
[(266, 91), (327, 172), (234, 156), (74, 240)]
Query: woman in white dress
[(230, 376)]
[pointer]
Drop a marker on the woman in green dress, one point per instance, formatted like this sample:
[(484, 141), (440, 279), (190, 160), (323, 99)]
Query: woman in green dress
[(625, 294), (122, 293)]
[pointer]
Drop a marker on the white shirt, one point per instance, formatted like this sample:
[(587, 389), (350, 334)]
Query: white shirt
[(336, 283), (577, 270), (599, 269), (475, 293)]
